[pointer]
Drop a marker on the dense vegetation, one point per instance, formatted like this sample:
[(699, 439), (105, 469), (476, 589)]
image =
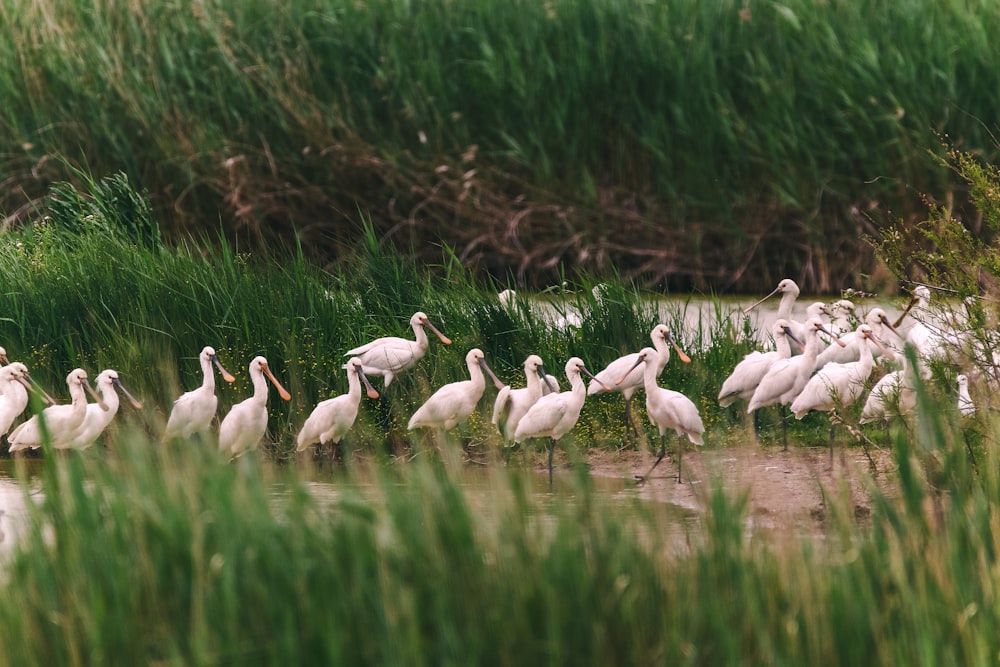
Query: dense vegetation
[(717, 145)]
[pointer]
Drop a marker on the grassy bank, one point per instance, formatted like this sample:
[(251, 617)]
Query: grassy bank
[(730, 136)]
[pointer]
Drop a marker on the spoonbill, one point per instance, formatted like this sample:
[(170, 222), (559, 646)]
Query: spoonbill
[(14, 389), (877, 321), (965, 404), (837, 385), (512, 404), (391, 355), (194, 410), (98, 418), (623, 375), (786, 377), (747, 374), (554, 415), (842, 317), (61, 421), (246, 422), (333, 418), (926, 334), (894, 394), (454, 402), (667, 409), (789, 291)]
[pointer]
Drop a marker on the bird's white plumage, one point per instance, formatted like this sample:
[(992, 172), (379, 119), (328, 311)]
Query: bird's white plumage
[(13, 394), (194, 411), (555, 414), (786, 377), (965, 404), (391, 355), (452, 404), (97, 418), (512, 404), (245, 424), (747, 374), (332, 418), (838, 384), (878, 322), (666, 408), (61, 421)]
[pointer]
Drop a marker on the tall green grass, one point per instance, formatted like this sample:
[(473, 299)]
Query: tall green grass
[(724, 126), (153, 555)]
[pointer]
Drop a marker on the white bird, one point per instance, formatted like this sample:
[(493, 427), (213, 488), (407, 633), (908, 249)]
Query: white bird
[(668, 409), (554, 415), (332, 418), (878, 322), (842, 317), (452, 404), (61, 421), (512, 404), (14, 389), (836, 385), (507, 298), (895, 394), (789, 291), (747, 374), (623, 375), (786, 377), (965, 404), (2, 536), (98, 418), (246, 422), (194, 411), (391, 355), (928, 334)]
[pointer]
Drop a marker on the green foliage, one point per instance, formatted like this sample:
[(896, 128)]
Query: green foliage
[(736, 125)]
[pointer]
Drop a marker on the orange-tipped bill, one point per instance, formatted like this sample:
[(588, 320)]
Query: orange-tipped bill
[(95, 396), (364, 378), (583, 369), (791, 336), (889, 354), (680, 353), (135, 404), (281, 390), (444, 339), (641, 359), (33, 386), (226, 375), (892, 327), (835, 339)]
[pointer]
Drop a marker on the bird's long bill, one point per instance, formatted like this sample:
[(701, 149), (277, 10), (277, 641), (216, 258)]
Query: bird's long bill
[(545, 378), (835, 339), (892, 328), (97, 399), (677, 348), (583, 369), (38, 390), (622, 378), (3, 359), (364, 378), (909, 306), (889, 354), (226, 375), (281, 390), (444, 339), (489, 371), (135, 404), (789, 334), (754, 305)]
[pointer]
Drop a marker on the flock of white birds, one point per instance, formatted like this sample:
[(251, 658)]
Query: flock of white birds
[(817, 364)]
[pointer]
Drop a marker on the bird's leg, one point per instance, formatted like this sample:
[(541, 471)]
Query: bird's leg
[(680, 458), (756, 421), (552, 451), (630, 428), (784, 427), (663, 452)]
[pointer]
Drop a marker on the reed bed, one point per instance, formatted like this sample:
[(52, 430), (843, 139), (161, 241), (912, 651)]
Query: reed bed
[(731, 134), (168, 555)]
